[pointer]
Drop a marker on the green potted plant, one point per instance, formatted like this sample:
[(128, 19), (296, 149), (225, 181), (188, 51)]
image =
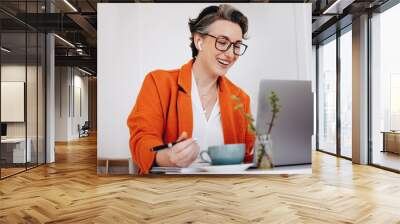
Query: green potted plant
[(263, 145)]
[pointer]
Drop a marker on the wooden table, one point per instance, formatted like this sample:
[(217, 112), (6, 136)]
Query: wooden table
[(391, 141)]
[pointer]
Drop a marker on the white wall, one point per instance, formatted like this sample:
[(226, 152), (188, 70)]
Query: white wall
[(18, 73), (68, 81), (80, 84), (157, 37), (61, 103)]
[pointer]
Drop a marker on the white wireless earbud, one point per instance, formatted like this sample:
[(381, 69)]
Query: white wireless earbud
[(200, 45)]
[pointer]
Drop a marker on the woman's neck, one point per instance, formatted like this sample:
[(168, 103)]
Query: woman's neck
[(204, 79)]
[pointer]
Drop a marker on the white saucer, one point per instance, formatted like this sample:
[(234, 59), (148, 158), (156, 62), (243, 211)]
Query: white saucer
[(226, 168)]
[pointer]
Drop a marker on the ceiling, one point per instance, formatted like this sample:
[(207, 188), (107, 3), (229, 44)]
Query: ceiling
[(76, 21)]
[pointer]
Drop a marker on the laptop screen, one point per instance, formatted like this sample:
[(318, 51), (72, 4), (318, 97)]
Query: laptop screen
[(293, 127)]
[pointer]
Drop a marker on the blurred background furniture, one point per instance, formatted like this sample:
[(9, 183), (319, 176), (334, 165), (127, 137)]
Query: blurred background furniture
[(13, 150), (84, 130)]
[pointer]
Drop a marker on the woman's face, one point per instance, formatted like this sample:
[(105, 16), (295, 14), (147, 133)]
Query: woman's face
[(217, 61)]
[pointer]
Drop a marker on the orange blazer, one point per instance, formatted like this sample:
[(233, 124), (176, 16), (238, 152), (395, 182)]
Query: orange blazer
[(163, 110)]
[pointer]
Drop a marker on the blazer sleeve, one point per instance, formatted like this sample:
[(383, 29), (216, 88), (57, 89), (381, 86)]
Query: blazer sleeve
[(249, 137), (145, 124)]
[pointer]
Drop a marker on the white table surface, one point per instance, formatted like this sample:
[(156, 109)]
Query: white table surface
[(298, 169)]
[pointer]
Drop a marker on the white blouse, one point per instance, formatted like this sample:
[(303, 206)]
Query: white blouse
[(208, 133)]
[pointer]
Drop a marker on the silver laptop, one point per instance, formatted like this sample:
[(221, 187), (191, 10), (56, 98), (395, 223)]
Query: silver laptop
[(293, 129)]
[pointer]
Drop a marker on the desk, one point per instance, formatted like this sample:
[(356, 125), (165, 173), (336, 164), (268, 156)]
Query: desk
[(17, 150), (391, 141)]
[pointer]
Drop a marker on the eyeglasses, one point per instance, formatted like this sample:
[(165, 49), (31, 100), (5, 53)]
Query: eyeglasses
[(224, 44)]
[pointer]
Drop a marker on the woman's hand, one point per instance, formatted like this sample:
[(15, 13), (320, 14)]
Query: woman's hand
[(181, 154)]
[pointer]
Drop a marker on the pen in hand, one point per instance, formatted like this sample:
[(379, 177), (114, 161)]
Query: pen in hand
[(169, 145)]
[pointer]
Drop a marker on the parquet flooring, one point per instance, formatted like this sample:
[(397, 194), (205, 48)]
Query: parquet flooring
[(70, 191), (10, 171), (387, 159)]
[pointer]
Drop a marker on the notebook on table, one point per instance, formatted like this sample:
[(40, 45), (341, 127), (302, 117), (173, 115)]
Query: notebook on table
[(195, 167)]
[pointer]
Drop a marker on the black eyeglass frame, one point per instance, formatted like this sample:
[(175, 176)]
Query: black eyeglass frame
[(229, 46)]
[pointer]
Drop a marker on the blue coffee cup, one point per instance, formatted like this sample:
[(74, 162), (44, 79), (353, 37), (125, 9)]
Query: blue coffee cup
[(224, 154)]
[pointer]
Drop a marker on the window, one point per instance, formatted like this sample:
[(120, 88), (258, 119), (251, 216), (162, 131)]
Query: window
[(394, 101), (327, 97), (346, 94), (385, 89)]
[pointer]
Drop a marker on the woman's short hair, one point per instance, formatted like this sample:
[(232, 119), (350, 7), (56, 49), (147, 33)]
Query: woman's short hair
[(211, 14)]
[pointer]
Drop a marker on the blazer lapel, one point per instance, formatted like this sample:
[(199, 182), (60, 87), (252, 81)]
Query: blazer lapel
[(184, 101)]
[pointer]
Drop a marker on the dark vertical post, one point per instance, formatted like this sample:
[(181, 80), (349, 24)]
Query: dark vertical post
[(369, 89), (1, 163), (26, 86), (338, 91), (317, 96), (37, 88), (45, 88)]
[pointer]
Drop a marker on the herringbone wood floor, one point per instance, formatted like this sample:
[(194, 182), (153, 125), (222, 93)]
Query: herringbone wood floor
[(70, 191)]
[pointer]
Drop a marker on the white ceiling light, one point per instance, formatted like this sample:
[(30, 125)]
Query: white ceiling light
[(5, 50), (84, 71), (70, 5), (338, 6), (65, 41)]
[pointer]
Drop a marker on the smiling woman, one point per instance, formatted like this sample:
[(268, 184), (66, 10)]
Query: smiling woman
[(192, 106)]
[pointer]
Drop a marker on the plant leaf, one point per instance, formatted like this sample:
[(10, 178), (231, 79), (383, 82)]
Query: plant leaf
[(238, 106), (249, 117), (235, 98)]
